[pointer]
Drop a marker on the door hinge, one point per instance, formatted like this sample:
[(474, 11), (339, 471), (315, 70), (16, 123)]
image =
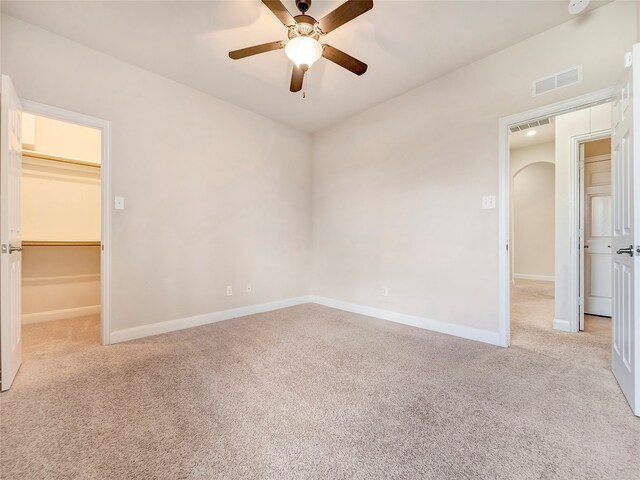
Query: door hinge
[(507, 246)]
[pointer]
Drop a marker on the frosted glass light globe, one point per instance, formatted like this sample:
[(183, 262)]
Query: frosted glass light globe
[(303, 50)]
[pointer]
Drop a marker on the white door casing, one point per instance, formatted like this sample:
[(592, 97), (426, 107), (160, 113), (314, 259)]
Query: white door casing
[(597, 231), (10, 234), (581, 236), (104, 126), (625, 173)]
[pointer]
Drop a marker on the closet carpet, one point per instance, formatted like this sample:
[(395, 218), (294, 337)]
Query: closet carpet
[(312, 392)]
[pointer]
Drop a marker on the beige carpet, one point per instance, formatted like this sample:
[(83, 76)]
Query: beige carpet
[(311, 392)]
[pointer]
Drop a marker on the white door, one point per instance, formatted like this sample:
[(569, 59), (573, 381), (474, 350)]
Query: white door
[(597, 230), (626, 171), (10, 235)]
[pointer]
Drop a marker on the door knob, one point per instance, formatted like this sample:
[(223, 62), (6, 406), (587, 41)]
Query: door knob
[(13, 248), (628, 250)]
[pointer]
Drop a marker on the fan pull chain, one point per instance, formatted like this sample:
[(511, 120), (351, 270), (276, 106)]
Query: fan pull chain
[(304, 85)]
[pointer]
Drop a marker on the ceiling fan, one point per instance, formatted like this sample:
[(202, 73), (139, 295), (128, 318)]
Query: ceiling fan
[(303, 47)]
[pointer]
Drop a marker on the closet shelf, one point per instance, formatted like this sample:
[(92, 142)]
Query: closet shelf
[(56, 158), (41, 243)]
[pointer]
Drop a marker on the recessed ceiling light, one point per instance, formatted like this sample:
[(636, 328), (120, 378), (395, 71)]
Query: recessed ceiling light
[(531, 133), (577, 6)]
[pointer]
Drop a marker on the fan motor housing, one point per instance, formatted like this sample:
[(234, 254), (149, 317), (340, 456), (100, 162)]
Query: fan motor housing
[(305, 26)]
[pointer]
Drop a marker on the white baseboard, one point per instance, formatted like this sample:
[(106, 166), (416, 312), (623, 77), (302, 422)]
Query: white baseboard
[(60, 314), (562, 325), (198, 320), (470, 333), (462, 331), (526, 276)]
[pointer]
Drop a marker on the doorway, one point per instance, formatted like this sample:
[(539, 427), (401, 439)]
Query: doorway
[(60, 223), (532, 229), (596, 222), (71, 261), (569, 172), (560, 188), (569, 252)]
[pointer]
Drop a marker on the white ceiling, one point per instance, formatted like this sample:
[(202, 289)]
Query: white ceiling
[(544, 134), (405, 44)]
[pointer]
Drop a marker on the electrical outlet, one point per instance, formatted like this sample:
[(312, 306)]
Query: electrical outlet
[(248, 288), (385, 291), (489, 201), (229, 291)]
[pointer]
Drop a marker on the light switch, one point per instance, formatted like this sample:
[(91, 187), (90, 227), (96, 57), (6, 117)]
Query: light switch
[(119, 204), (489, 201)]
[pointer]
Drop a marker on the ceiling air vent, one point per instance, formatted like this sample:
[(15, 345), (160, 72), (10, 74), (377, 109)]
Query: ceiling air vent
[(557, 80), (525, 126)]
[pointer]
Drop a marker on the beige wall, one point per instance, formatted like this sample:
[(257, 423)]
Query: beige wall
[(533, 199), (520, 158), (398, 188), (60, 202), (60, 282), (50, 136), (582, 122), (532, 211), (215, 195)]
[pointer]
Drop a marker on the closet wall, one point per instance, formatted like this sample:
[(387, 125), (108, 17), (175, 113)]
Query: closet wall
[(60, 220)]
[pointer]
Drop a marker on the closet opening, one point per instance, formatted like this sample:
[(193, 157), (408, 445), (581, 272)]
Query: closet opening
[(61, 217)]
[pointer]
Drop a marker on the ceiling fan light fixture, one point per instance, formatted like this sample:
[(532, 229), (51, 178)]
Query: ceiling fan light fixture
[(303, 50), (304, 31)]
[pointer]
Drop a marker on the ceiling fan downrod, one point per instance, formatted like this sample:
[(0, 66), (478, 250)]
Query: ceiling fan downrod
[(303, 5)]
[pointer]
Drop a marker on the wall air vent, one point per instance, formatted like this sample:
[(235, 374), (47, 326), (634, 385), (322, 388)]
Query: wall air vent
[(525, 126), (558, 80)]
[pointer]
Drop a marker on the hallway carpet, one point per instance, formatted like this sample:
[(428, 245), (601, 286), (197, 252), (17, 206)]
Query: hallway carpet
[(312, 392)]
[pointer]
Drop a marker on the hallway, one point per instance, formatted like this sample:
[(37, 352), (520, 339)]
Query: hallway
[(532, 304)]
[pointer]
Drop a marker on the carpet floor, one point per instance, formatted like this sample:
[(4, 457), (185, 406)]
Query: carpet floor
[(309, 392)]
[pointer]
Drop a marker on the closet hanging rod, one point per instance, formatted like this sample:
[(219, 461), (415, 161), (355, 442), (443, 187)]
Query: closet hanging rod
[(40, 243), (56, 158)]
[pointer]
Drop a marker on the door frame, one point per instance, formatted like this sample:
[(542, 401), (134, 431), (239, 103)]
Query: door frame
[(104, 126), (579, 209), (504, 262)]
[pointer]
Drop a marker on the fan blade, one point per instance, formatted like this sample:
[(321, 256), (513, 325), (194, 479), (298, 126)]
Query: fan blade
[(347, 61), (344, 13), (280, 11), (297, 76), (256, 49)]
